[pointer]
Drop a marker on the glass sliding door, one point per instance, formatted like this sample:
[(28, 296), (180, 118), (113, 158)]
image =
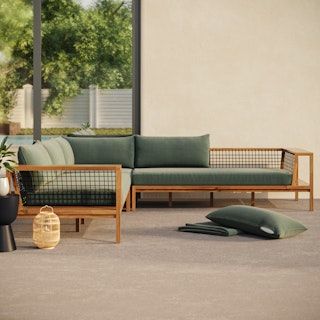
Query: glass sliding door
[(86, 67), (16, 71)]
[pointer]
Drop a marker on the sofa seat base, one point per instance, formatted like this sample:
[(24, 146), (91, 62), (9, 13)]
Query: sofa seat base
[(86, 189), (211, 176)]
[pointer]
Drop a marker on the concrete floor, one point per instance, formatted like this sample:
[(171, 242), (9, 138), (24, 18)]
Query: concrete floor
[(159, 273)]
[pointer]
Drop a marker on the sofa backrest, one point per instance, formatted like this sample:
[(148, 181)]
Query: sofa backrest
[(131, 151), (55, 151), (101, 150), (171, 151)]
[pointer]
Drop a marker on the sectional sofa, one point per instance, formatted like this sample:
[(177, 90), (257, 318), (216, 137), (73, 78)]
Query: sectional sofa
[(96, 177)]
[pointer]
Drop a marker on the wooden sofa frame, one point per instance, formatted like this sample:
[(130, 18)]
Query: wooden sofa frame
[(78, 212), (242, 158)]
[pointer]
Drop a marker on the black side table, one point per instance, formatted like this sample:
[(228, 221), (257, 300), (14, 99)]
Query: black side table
[(8, 213)]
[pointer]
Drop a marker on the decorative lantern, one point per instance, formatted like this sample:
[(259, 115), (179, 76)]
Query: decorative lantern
[(46, 229)]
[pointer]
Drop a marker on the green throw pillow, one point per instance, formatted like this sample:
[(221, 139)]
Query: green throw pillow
[(257, 221)]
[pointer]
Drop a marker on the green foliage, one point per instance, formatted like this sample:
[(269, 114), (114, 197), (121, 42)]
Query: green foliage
[(14, 17), (7, 163), (7, 93), (80, 47), (15, 22)]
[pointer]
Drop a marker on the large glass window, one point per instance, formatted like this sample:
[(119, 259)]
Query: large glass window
[(16, 70), (86, 67)]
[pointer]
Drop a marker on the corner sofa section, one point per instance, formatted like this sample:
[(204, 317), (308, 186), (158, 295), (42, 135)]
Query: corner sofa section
[(178, 164), (95, 176), (80, 180)]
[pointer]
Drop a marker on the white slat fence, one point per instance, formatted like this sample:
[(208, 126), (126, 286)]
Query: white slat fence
[(102, 108)]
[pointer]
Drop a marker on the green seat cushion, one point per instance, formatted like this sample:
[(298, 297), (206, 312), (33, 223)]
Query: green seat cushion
[(55, 151), (67, 150), (210, 176), (85, 188), (261, 222), (171, 151), (101, 150)]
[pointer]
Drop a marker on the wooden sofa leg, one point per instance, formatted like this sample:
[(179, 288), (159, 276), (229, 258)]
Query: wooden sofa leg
[(211, 199), (311, 201), (118, 227), (296, 195), (128, 202), (77, 225), (82, 221), (170, 199), (252, 199), (134, 199)]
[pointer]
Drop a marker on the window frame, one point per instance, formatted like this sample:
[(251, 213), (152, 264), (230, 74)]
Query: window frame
[(136, 68)]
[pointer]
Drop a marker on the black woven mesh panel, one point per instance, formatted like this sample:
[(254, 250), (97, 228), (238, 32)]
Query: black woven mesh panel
[(288, 161), (68, 188), (245, 158)]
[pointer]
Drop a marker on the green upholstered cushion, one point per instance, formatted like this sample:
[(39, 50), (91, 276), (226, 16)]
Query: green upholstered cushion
[(171, 151), (83, 189), (35, 154), (55, 151), (67, 150), (118, 150), (210, 176), (257, 221)]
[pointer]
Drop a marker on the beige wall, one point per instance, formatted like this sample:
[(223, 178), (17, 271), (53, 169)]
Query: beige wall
[(245, 71)]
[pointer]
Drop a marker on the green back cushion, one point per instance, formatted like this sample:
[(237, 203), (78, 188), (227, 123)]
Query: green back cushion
[(55, 151), (119, 150), (171, 151), (35, 154), (257, 221), (66, 149)]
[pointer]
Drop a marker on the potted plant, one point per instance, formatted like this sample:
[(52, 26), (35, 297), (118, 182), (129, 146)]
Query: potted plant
[(7, 164)]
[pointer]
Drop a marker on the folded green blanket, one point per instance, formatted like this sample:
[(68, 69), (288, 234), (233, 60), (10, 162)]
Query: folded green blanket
[(209, 228)]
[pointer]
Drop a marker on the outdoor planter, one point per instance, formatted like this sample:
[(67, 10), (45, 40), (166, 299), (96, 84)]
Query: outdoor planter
[(10, 128)]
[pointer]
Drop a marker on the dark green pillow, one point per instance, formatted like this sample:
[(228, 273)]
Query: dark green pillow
[(171, 151), (119, 150), (257, 221)]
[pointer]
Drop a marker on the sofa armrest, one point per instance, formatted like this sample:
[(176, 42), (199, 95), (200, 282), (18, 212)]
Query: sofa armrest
[(105, 176), (296, 153)]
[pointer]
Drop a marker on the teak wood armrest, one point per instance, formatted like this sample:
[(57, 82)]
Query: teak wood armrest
[(299, 152)]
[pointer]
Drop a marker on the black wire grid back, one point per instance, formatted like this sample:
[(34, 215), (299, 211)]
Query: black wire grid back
[(254, 158), (68, 188)]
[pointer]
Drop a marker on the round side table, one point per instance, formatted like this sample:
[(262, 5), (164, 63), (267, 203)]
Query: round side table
[(8, 213)]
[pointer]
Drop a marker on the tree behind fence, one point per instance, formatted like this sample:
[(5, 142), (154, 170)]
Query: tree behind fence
[(102, 108)]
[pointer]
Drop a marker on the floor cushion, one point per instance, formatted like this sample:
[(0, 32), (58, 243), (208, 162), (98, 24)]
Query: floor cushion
[(257, 221)]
